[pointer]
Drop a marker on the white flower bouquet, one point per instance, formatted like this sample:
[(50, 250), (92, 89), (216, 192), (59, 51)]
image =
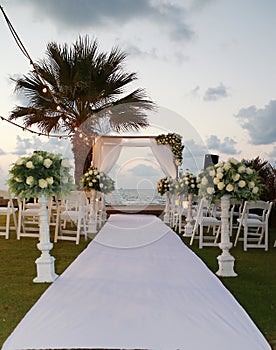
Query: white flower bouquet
[(232, 178), (42, 173), (97, 180), (175, 142), (165, 185), (185, 184)]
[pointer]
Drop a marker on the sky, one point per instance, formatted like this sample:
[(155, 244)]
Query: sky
[(208, 64)]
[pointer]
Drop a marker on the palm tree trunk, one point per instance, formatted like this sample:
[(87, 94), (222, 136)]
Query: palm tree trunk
[(82, 155)]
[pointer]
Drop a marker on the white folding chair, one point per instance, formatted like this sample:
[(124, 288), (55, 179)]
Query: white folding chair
[(70, 219), (204, 219), (7, 210), (28, 219), (254, 223)]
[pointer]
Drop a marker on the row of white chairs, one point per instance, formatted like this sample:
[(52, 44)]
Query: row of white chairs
[(76, 214), (249, 220)]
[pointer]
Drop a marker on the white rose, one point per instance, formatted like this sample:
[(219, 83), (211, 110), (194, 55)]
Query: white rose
[(47, 162), (249, 171), (210, 190), (221, 185), (29, 180), (19, 161), (42, 183), (17, 179), (40, 158), (90, 172), (101, 185), (212, 173), (204, 181), (187, 182), (90, 184), (241, 183), (241, 169), (233, 160), (65, 163), (255, 190), (216, 180), (219, 175), (227, 166), (50, 180), (236, 177), (251, 184), (29, 165), (229, 188), (192, 185)]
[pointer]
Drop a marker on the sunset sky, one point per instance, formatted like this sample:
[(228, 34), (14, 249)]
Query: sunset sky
[(208, 64)]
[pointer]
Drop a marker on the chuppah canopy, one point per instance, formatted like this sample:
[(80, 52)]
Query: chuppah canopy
[(107, 150)]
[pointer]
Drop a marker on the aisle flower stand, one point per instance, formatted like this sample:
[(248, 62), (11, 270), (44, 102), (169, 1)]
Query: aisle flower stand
[(188, 229), (225, 260), (41, 175), (224, 181), (45, 264)]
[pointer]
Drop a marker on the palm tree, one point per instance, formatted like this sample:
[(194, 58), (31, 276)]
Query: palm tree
[(77, 90)]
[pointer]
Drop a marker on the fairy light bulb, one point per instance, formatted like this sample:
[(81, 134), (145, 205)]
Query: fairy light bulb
[(80, 135), (75, 128), (44, 90), (67, 120), (58, 108)]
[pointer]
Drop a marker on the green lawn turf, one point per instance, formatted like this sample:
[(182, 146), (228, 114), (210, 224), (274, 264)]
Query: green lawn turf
[(254, 288)]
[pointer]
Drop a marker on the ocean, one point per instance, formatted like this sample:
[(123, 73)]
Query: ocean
[(124, 196)]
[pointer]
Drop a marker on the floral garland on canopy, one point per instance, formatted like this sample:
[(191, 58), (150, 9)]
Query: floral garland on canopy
[(42, 173), (175, 142), (232, 178), (186, 184), (97, 180), (165, 185)]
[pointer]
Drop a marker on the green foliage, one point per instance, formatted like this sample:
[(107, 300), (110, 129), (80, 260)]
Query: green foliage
[(97, 180), (232, 178), (186, 184), (175, 142), (164, 185), (42, 173)]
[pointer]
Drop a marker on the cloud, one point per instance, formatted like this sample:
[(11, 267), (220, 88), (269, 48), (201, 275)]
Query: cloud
[(101, 13), (260, 123), (2, 152), (144, 170), (227, 146), (215, 93), (26, 146)]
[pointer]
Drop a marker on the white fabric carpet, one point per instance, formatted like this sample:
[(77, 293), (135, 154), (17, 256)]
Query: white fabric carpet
[(137, 286)]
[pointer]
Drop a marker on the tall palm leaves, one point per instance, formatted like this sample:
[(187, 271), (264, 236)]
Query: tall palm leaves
[(76, 90)]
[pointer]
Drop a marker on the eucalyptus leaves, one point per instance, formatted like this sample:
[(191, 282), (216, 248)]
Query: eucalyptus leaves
[(42, 173)]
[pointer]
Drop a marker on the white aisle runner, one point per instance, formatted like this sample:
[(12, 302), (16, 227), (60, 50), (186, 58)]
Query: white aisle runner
[(137, 286)]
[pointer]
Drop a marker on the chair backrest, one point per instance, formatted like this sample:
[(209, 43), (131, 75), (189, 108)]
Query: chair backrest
[(262, 206), (74, 201)]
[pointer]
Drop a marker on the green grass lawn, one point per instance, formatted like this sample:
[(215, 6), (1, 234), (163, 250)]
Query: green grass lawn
[(254, 288)]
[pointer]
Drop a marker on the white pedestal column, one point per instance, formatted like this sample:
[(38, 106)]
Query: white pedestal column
[(45, 264), (189, 227), (225, 260), (167, 208), (92, 222)]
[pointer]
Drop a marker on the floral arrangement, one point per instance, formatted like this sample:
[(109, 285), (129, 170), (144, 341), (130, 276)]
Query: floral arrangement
[(232, 178), (175, 142), (42, 173), (97, 180), (165, 185), (186, 184)]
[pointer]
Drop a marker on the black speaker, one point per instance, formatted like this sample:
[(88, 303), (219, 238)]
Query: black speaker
[(210, 159)]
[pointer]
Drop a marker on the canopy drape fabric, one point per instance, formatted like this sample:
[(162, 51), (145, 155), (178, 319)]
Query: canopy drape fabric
[(107, 151), (165, 158)]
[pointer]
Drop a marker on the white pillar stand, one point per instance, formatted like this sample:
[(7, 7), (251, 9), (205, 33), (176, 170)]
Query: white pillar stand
[(167, 207), (225, 260), (45, 264), (189, 227), (92, 223)]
